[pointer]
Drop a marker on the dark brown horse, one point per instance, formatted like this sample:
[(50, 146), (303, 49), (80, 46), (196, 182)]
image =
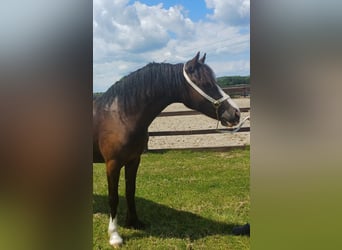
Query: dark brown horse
[(123, 113)]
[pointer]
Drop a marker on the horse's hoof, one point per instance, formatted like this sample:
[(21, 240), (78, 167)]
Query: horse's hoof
[(116, 246), (115, 240)]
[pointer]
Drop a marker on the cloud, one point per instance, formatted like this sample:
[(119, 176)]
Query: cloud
[(136, 28), (234, 12), (128, 36)]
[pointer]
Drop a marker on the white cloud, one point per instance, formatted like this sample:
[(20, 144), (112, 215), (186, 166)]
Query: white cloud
[(128, 36), (138, 27), (234, 12), (231, 68)]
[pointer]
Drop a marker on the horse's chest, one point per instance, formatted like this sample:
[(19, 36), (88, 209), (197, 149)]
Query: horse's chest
[(138, 141)]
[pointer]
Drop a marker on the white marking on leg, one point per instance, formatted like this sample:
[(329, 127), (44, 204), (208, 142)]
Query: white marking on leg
[(114, 238)]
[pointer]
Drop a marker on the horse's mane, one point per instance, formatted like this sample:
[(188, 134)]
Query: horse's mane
[(143, 85)]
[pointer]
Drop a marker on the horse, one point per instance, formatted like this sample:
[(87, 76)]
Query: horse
[(122, 115)]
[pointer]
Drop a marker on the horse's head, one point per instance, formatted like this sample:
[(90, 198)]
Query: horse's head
[(204, 95)]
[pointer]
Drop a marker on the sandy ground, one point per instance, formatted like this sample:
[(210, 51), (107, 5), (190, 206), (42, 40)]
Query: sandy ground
[(195, 122)]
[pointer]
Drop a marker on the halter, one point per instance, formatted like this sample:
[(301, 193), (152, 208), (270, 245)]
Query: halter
[(216, 103)]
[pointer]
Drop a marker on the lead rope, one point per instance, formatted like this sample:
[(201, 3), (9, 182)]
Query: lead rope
[(217, 105)]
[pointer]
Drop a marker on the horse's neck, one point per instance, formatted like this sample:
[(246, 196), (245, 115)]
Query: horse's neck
[(149, 111)]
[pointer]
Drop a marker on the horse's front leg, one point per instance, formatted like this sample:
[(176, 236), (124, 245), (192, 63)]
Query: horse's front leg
[(131, 169), (113, 175)]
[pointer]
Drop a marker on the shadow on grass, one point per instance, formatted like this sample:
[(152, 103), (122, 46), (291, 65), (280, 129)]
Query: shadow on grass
[(165, 222)]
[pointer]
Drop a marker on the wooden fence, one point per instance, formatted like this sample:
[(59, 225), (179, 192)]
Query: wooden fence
[(243, 90)]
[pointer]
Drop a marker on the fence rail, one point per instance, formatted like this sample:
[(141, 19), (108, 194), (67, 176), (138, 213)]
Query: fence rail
[(196, 132), (243, 90), (213, 149), (189, 112)]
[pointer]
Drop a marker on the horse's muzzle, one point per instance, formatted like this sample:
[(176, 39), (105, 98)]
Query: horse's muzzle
[(230, 120)]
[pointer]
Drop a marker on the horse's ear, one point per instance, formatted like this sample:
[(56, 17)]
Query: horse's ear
[(203, 58), (194, 61)]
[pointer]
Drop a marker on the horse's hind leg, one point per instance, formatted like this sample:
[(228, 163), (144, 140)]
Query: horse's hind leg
[(113, 175), (130, 176)]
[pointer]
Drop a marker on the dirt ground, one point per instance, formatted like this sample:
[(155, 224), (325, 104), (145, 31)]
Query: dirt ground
[(196, 122)]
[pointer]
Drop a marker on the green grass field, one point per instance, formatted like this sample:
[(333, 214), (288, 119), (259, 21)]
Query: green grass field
[(189, 200)]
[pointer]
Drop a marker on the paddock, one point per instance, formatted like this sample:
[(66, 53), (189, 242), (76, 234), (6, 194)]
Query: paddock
[(121, 144)]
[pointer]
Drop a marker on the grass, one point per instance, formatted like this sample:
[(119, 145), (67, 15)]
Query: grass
[(189, 200)]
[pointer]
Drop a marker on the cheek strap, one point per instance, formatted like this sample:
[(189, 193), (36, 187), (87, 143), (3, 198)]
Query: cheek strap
[(215, 102)]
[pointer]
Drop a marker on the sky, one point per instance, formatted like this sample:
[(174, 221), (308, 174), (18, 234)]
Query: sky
[(127, 35)]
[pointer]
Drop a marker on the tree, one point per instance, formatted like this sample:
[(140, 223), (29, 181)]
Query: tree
[(226, 81)]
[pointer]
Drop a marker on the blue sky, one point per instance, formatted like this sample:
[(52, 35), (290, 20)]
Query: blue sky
[(129, 34)]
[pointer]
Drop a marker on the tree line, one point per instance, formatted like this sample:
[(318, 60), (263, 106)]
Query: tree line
[(226, 81)]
